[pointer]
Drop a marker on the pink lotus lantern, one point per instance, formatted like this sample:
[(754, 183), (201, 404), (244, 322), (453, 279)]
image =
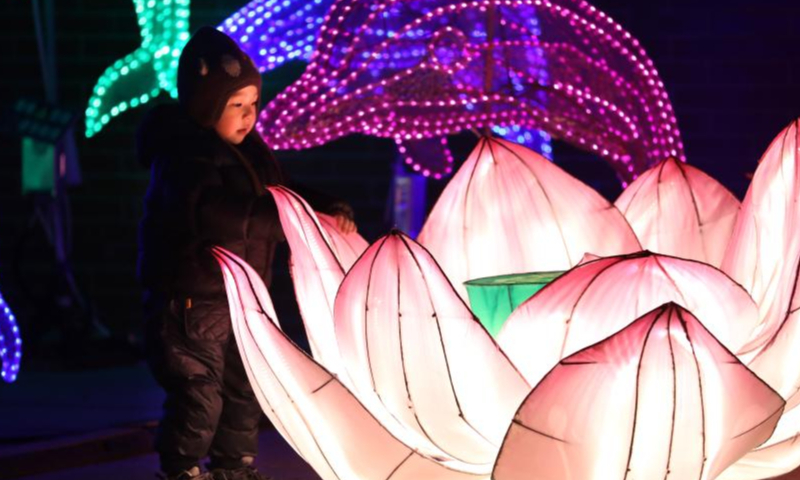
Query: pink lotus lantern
[(401, 426), (641, 364), (676, 209)]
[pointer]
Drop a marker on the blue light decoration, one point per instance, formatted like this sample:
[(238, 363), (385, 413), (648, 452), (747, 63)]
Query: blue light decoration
[(273, 32), (10, 343), (141, 75)]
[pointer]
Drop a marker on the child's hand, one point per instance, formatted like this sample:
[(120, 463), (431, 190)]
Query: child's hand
[(345, 224)]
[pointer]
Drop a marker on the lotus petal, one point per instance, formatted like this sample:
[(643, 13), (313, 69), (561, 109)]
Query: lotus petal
[(781, 453), (766, 462), (509, 210), (316, 272), (310, 407), (596, 299), (317, 275), (777, 456), (678, 210), (660, 399), (347, 247), (408, 341), (764, 256)]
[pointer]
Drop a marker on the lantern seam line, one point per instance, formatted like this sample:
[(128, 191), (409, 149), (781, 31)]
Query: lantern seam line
[(636, 396)]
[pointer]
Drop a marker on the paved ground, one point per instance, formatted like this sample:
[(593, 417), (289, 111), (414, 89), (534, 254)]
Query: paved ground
[(277, 459), (46, 405), (99, 424)]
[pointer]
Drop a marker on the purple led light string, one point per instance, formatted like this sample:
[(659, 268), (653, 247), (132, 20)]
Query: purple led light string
[(406, 70), (435, 150), (10, 343)]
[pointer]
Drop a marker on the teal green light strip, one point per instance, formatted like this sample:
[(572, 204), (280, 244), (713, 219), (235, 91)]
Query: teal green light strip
[(140, 76)]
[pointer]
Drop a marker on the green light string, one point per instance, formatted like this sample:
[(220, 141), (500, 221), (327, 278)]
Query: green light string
[(140, 76)]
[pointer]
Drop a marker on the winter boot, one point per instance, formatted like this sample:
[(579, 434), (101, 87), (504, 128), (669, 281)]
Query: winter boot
[(191, 474), (246, 472)]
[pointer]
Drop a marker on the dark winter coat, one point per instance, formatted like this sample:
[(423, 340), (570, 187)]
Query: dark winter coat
[(203, 192)]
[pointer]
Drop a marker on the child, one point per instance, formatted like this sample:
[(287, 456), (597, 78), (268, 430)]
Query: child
[(208, 172)]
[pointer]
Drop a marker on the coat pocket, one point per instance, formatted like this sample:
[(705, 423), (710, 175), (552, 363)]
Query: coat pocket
[(207, 320)]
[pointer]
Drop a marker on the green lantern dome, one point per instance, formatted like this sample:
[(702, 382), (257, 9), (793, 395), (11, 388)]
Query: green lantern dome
[(492, 299)]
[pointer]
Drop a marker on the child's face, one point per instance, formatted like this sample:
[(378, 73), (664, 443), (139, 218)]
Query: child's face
[(239, 115)]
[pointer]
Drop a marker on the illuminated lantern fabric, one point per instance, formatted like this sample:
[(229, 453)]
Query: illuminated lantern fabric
[(777, 456), (307, 404), (509, 210), (766, 462), (316, 272), (676, 209), (596, 299), (414, 69), (347, 247), (140, 76), (320, 256), (764, 255), (660, 399), (409, 341), (492, 299), (422, 391)]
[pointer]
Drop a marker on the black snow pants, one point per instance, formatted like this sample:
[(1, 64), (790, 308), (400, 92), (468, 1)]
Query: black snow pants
[(210, 408)]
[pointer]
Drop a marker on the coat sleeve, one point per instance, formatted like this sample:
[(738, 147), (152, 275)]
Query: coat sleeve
[(216, 214), (319, 201)]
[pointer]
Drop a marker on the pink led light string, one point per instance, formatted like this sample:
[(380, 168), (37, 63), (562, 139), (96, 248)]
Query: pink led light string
[(416, 70), (435, 147)]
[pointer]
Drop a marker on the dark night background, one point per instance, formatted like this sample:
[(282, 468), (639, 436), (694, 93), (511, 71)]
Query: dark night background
[(732, 70)]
